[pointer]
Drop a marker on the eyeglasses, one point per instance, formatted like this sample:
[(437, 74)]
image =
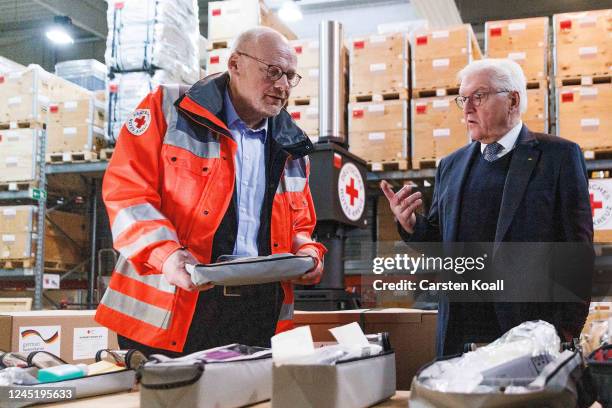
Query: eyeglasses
[(477, 98), (274, 72)]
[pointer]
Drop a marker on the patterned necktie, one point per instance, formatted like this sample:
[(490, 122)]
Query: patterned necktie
[(491, 151)]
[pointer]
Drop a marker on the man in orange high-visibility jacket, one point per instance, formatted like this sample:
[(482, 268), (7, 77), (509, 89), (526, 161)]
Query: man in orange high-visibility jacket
[(219, 169)]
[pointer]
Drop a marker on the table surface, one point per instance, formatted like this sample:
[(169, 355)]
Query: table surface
[(132, 400)]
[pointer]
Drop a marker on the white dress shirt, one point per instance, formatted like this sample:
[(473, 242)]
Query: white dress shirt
[(507, 141)]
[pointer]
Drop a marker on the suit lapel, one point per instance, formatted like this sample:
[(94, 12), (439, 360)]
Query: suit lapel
[(524, 160), (455, 187)]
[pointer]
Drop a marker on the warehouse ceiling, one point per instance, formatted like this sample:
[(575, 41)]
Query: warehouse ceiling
[(21, 19)]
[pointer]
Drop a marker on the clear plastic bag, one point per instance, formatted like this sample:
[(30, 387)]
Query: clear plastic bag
[(465, 374)]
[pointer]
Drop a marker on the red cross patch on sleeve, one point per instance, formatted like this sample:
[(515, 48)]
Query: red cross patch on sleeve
[(138, 122)]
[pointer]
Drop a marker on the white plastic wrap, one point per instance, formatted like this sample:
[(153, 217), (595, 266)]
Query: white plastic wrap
[(126, 91), (464, 374), (146, 34)]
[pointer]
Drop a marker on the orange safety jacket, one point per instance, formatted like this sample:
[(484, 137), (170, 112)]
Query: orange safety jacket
[(162, 184)]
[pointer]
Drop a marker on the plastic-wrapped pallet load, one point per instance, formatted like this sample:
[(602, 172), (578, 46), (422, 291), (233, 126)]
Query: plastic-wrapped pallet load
[(149, 35), (126, 91), (88, 73)]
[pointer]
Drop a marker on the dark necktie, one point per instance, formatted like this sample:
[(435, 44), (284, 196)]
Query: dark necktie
[(491, 151)]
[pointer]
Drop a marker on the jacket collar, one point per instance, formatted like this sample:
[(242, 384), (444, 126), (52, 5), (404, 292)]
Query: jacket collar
[(203, 103)]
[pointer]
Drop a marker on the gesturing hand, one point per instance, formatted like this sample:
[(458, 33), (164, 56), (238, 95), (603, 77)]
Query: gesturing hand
[(403, 204)]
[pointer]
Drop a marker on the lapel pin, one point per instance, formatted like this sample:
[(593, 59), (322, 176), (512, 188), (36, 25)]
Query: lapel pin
[(530, 158)]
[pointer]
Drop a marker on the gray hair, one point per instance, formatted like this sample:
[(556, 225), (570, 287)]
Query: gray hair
[(504, 74), (252, 36)]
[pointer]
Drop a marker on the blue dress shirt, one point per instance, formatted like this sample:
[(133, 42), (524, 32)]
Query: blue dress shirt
[(250, 178)]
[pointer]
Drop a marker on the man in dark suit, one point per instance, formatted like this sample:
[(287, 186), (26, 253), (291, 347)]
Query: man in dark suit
[(508, 185)]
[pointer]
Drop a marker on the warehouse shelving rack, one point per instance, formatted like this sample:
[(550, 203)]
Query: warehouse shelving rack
[(39, 195)]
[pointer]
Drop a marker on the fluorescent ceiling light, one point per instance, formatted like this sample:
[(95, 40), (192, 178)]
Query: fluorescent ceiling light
[(290, 11), (59, 36), (59, 33)]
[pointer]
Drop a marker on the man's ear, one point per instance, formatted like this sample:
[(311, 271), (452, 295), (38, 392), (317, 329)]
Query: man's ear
[(515, 101), (232, 64)]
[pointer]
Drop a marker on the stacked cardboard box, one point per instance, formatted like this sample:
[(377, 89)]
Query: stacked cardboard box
[(379, 132), (583, 75), (378, 91), (526, 42), (438, 56), (66, 236), (304, 102)]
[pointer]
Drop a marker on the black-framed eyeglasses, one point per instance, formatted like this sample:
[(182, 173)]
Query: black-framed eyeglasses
[(274, 72), (478, 98)]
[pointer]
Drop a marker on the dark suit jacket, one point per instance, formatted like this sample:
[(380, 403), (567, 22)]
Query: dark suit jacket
[(545, 199)]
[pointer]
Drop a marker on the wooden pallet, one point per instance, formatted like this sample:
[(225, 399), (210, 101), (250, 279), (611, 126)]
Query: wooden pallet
[(57, 266), (400, 94), (15, 304), (216, 44), (71, 157), (599, 154), (106, 154), (303, 101), (603, 78), (17, 263), (391, 165), (424, 163), (428, 93), (20, 124), (18, 185)]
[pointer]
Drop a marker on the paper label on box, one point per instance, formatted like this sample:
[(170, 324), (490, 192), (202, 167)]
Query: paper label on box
[(70, 131), (13, 125), (11, 136), (517, 56), (378, 38), (313, 72), (40, 338), (376, 136), (43, 100), (66, 156), (441, 132), (585, 51), (586, 80), (8, 238), (312, 112), (440, 63), (9, 212), (516, 26), (440, 34), (378, 67), (440, 104), (14, 100), (589, 122), (587, 20), (440, 92), (51, 281), (70, 105), (588, 91), (87, 341), (377, 108), (11, 161)]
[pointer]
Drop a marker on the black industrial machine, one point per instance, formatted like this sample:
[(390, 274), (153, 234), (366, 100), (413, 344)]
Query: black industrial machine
[(337, 178)]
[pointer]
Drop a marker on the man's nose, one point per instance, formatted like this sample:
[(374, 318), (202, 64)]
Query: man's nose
[(282, 83)]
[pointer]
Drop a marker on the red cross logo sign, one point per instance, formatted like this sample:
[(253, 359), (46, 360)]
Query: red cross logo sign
[(595, 204), (351, 192), (600, 197), (138, 122)]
